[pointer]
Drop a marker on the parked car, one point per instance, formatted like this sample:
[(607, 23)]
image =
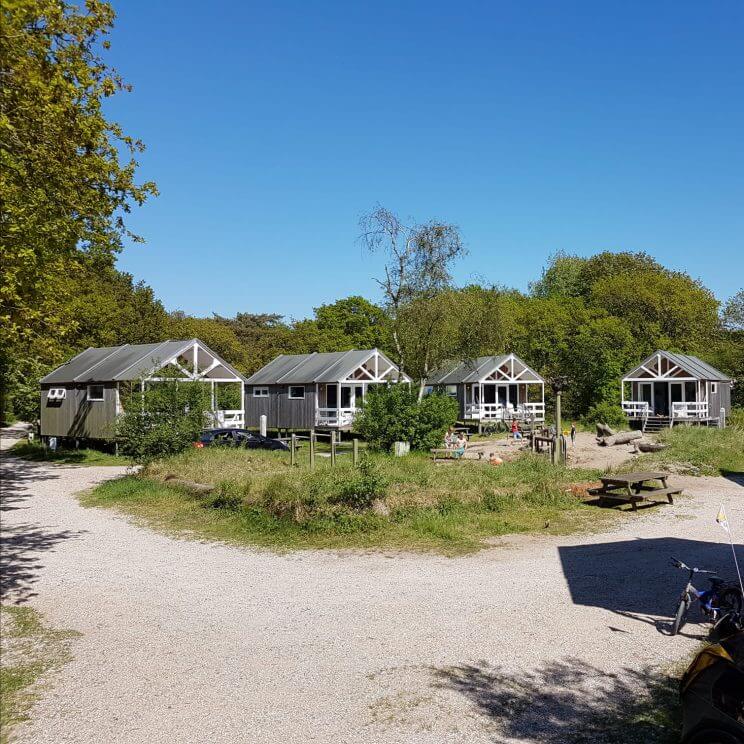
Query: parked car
[(712, 693), (238, 438)]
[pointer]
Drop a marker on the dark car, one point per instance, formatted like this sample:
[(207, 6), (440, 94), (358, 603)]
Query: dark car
[(712, 692), (238, 438)]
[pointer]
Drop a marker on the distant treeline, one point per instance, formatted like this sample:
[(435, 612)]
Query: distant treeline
[(588, 318)]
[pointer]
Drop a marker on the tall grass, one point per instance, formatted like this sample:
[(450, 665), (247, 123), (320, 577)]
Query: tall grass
[(260, 499), (711, 451)]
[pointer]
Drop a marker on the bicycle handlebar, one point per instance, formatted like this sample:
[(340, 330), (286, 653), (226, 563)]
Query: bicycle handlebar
[(678, 564)]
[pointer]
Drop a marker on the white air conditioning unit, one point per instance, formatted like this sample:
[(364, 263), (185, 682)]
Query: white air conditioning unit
[(56, 394)]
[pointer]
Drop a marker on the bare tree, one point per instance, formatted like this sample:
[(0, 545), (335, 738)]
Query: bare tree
[(418, 266)]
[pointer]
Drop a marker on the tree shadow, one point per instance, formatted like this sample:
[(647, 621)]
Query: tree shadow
[(22, 545), (571, 701), (635, 578)]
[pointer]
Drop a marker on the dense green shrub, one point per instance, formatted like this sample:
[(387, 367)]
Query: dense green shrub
[(364, 487), (395, 414), (166, 421), (605, 413)]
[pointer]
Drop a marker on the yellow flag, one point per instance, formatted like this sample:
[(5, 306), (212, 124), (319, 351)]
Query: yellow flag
[(722, 519)]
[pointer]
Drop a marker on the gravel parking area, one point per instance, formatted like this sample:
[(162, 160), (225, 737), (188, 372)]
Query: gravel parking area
[(534, 640)]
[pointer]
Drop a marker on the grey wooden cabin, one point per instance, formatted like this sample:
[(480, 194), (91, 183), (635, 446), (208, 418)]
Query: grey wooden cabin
[(667, 389), (493, 388), (318, 390), (82, 398)]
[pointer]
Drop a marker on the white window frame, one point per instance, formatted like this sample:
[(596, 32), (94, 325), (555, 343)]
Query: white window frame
[(56, 394), (296, 397), (261, 392), (713, 388), (91, 399), (450, 390)]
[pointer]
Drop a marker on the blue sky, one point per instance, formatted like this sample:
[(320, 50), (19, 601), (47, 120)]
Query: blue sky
[(535, 127)]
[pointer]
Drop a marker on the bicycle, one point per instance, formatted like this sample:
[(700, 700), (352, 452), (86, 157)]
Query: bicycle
[(718, 603)]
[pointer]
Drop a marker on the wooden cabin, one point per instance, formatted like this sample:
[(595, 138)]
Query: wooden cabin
[(668, 388), (493, 388), (82, 398), (318, 390)]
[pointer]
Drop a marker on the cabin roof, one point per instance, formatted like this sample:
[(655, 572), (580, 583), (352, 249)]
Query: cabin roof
[(125, 362), (302, 369), (475, 370), (693, 365)]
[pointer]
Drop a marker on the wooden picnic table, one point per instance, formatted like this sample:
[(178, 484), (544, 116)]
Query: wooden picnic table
[(633, 488)]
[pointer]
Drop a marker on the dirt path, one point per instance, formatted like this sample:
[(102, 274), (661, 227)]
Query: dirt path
[(190, 642)]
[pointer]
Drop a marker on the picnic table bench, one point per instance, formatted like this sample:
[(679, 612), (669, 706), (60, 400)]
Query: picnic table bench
[(634, 488)]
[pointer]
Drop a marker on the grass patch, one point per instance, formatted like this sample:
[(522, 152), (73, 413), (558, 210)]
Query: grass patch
[(30, 650), (37, 452), (705, 449), (409, 502)]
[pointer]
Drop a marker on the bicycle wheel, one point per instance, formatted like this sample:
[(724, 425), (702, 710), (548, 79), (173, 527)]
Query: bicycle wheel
[(681, 616)]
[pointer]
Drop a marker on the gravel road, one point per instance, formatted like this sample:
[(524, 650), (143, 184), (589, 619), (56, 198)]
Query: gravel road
[(533, 640)]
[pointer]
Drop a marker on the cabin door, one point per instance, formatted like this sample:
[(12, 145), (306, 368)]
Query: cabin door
[(661, 398), (647, 394)]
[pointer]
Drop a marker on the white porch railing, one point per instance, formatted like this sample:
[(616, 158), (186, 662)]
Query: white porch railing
[(636, 408), (500, 412), (690, 410), (335, 416), (228, 419)]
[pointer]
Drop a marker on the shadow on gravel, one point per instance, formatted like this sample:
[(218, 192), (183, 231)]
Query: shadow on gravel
[(571, 702), (635, 578), (21, 558), (22, 545), (16, 478)]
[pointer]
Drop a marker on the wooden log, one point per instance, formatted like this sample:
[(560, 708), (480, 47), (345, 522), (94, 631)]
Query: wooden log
[(193, 486), (604, 431), (621, 438), (650, 446)]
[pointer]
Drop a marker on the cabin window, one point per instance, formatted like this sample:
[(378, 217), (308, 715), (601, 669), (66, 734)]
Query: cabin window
[(296, 392), (713, 388), (260, 392), (56, 394), (451, 390), (95, 392)]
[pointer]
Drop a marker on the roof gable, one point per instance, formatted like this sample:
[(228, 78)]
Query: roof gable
[(133, 362), (669, 365), (485, 369), (318, 367)]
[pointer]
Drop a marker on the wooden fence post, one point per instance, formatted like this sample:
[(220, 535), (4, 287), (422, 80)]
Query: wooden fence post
[(333, 447), (293, 449), (312, 448), (355, 451)]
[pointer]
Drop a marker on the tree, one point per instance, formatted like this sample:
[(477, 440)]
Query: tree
[(68, 173), (732, 317), (358, 321), (394, 413), (218, 336), (419, 263), (663, 310)]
